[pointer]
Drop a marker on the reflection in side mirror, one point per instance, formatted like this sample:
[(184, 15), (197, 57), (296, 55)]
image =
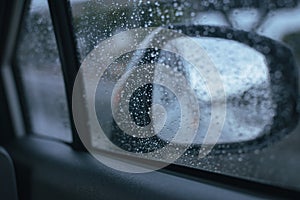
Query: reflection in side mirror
[(244, 72)]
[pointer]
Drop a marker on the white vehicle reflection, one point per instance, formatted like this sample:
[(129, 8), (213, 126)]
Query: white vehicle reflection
[(246, 82)]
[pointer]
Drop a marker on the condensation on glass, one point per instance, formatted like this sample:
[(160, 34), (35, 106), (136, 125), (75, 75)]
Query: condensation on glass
[(243, 70), (41, 75)]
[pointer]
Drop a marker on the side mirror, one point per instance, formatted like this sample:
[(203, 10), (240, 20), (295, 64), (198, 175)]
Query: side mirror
[(260, 81)]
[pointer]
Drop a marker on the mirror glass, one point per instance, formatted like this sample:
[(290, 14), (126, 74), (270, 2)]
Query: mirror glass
[(156, 110)]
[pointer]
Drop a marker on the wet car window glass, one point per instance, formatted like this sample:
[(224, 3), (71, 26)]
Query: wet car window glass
[(41, 76), (250, 85)]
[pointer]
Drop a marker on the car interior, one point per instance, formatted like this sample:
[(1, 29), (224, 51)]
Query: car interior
[(149, 99)]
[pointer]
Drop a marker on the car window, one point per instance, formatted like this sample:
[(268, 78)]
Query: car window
[(276, 161), (40, 74)]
